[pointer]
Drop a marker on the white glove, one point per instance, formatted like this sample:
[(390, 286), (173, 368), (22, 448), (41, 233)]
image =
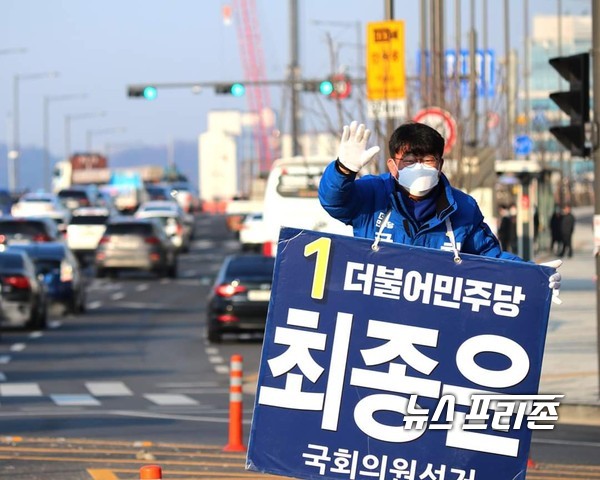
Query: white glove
[(554, 280), (353, 154)]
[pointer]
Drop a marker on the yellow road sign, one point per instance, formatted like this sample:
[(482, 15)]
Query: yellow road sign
[(385, 60)]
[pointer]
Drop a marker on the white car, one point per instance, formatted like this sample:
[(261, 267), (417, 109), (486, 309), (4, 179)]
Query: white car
[(160, 206), (86, 229), (42, 205), (253, 232), (173, 226)]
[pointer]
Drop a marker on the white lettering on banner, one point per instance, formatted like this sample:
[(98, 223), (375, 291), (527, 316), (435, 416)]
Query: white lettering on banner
[(397, 390), (353, 464), (448, 292)]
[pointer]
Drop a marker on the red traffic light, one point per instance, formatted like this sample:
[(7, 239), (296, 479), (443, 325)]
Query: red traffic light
[(342, 87)]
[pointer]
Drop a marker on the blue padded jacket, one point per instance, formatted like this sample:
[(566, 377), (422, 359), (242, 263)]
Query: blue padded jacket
[(364, 203)]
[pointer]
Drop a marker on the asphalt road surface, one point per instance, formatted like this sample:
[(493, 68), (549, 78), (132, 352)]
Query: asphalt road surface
[(133, 382)]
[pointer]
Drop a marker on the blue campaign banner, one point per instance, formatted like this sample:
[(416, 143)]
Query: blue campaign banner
[(366, 353)]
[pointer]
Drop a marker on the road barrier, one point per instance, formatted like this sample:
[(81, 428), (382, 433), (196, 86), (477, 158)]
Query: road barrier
[(235, 406), (150, 472)]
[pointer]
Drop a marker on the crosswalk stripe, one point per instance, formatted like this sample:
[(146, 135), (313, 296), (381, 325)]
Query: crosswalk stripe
[(20, 390), (108, 389), (74, 400), (170, 399)]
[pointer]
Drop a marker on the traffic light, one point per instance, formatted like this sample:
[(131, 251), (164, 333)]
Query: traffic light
[(235, 89), (575, 102), (147, 91), (336, 86)]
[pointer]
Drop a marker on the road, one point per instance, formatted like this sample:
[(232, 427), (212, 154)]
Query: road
[(133, 381)]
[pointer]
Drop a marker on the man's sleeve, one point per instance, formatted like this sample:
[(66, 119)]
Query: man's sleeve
[(338, 195), (482, 241)]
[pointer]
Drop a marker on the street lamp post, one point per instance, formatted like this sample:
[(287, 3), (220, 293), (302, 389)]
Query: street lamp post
[(68, 120), (47, 100), (90, 134), (13, 155)]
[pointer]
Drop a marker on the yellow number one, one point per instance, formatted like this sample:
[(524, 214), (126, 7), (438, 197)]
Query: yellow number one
[(322, 247)]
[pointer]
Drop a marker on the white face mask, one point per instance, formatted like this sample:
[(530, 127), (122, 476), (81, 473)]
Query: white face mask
[(419, 179)]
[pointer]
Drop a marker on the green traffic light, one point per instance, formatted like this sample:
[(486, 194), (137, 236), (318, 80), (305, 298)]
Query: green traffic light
[(326, 87), (238, 90), (150, 93)]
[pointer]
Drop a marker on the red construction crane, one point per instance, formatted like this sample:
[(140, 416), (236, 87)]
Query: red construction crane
[(252, 57)]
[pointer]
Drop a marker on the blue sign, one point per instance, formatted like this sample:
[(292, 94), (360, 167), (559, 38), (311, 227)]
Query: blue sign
[(485, 70), (523, 145), (362, 347)]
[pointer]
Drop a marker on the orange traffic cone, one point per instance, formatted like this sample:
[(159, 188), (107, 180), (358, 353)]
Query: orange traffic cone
[(150, 472)]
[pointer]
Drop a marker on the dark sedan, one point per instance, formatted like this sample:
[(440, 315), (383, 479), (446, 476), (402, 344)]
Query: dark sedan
[(239, 299), (58, 268), (22, 294)]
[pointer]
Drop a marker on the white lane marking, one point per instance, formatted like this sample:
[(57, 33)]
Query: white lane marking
[(200, 244), (223, 369), (2, 377), (215, 359), (74, 400), (156, 306), (94, 305), (117, 296), (108, 389), (142, 287), (54, 324), (170, 399), (212, 350), (18, 347), (36, 334), (164, 281), (20, 390), (4, 359)]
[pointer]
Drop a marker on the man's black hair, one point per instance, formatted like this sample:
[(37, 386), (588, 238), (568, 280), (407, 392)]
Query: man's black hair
[(420, 139)]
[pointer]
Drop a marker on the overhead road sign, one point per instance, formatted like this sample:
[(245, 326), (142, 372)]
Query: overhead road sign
[(523, 145)]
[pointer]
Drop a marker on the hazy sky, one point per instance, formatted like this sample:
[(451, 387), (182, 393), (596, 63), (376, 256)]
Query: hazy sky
[(99, 47)]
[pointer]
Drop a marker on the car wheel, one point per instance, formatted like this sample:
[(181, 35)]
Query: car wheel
[(81, 307), (38, 318), (100, 273), (214, 336)]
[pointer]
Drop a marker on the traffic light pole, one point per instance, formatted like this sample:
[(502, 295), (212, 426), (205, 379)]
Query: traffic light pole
[(596, 157)]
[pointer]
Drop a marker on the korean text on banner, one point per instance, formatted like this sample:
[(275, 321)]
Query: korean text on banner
[(361, 348), (385, 60)]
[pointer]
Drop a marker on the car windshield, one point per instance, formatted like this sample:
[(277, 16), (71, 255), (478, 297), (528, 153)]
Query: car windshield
[(37, 199), (129, 229), (89, 220), (8, 261), (27, 228), (251, 267), (72, 194)]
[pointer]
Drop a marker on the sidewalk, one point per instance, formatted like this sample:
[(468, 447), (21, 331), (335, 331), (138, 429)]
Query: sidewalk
[(570, 364)]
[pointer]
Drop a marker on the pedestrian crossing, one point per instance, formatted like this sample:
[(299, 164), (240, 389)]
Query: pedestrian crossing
[(94, 394)]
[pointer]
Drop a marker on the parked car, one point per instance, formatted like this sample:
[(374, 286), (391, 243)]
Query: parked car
[(77, 197), (239, 299), (22, 294), (14, 230), (253, 232), (42, 205), (135, 244), (85, 231), (58, 268)]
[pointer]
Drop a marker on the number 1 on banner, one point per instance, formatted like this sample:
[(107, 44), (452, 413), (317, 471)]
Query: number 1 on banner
[(322, 247)]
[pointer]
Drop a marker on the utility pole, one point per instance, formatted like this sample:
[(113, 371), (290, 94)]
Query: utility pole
[(510, 133), (294, 75), (596, 153), (473, 79), (389, 15), (425, 97)]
